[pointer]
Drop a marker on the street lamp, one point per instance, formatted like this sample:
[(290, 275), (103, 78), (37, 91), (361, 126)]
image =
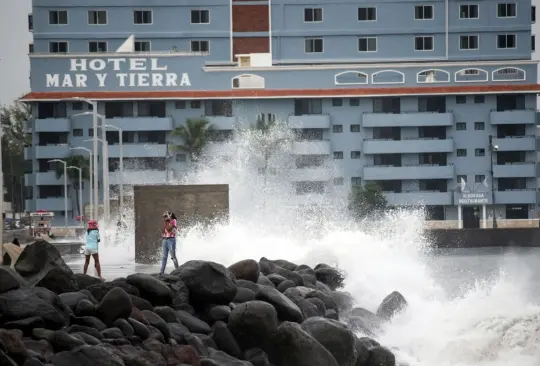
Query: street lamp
[(120, 139), (90, 178), (106, 212), (80, 189), (65, 190), (94, 113), (492, 149)]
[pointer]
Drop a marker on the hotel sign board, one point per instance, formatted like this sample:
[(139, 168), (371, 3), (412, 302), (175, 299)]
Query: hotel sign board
[(116, 73), (477, 198)]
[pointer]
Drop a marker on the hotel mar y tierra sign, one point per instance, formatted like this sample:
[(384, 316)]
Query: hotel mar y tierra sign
[(118, 72)]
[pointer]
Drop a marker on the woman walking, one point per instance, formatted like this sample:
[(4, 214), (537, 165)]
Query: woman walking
[(169, 240)]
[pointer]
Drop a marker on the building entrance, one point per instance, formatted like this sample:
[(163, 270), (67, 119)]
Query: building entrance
[(471, 217)]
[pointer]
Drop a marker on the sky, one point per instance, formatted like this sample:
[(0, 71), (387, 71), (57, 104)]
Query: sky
[(14, 40)]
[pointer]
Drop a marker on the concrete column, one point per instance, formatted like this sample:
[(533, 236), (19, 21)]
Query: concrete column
[(484, 216), (460, 221)]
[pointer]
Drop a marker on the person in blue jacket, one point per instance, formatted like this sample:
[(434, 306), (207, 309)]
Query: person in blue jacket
[(92, 240)]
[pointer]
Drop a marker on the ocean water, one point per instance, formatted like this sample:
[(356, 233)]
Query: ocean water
[(467, 307)]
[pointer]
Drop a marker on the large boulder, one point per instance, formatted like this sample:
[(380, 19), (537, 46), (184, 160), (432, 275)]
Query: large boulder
[(248, 270), (34, 302), (116, 304), (87, 355), (252, 323), (286, 309), (291, 346), (335, 337), (208, 282), (41, 265), (391, 305), (9, 280), (155, 291)]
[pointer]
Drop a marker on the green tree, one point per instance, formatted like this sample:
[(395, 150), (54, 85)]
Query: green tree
[(195, 136), (367, 201), (73, 174), (13, 120)]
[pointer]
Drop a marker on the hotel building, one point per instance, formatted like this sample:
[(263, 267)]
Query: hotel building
[(434, 100)]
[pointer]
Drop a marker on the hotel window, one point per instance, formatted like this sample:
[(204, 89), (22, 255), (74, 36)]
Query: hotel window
[(337, 102), (338, 181), (480, 178), (468, 42), (461, 99), (313, 15), (423, 43), (338, 155), (77, 132), (461, 153), (367, 14), (200, 17), (142, 46), (479, 152), (533, 43), (468, 11), (30, 22), (337, 128), (533, 14), (313, 45), (506, 10), (200, 46), (97, 17), (195, 104), (355, 154), (31, 48), (423, 12), (479, 126), (181, 104), (461, 178), (506, 41), (367, 44), (58, 47), (355, 128), (97, 46), (479, 99), (142, 17), (461, 126), (354, 102), (58, 17), (356, 181)]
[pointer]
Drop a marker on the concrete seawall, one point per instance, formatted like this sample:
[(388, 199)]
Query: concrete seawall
[(479, 238)]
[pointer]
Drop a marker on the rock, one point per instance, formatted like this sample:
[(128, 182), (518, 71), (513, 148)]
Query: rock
[(71, 299), (13, 346), (283, 286), (219, 312), (243, 295), (363, 320), (331, 314), (286, 309), (247, 284), (319, 305), (221, 358), (156, 334), (391, 305), (124, 326), (362, 351), (252, 323), (116, 304), (224, 340), (85, 308), (100, 289), (139, 328), (89, 321), (82, 329), (89, 295), (322, 287), (380, 356), (40, 348), (335, 337), (41, 265), (155, 321), (264, 281), (166, 313), (112, 333), (35, 302), (208, 282), (291, 346), (344, 301), (276, 279), (178, 332), (84, 281), (179, 289), (87, 355), (247, 269), (87, 338), (6, 360), (194, 324), (257, 357), (25, 325), (186, 355), (331, 277), (327, 299), (141, 303), (285, 264), (9, 280), (151, 289), (61, 340)]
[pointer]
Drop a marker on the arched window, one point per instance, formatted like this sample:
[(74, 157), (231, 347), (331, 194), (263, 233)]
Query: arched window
[(471, 76), (433, 76), (248, 81), (351, 78), (388, 77), (508, 74)]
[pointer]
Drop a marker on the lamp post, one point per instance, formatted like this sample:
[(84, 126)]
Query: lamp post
[(65, 190), (80, 189), (91, 188), (1, 194), (492, 149), (94, 113), (106, 214), (121, 141)]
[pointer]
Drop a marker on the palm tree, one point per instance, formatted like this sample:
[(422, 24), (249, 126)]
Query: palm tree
[(73, 174), (195, 135)]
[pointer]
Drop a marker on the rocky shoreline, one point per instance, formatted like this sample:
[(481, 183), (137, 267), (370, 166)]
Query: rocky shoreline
[(253, 313)]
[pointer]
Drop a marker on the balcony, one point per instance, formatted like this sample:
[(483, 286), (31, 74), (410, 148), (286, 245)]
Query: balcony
[(52, 151), (30, 205), (139, 150), (139, 177), (314, 174), (52, 125), (53, 204), (142, 123), (419, 198), (222, 122), (522, 116), (515, 170), (309, 121), (313, 147), (412, 146), (407, 119), (28, 153), (525, 196), (42, 179), (408, 172), (515, 143), (215, 149)]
